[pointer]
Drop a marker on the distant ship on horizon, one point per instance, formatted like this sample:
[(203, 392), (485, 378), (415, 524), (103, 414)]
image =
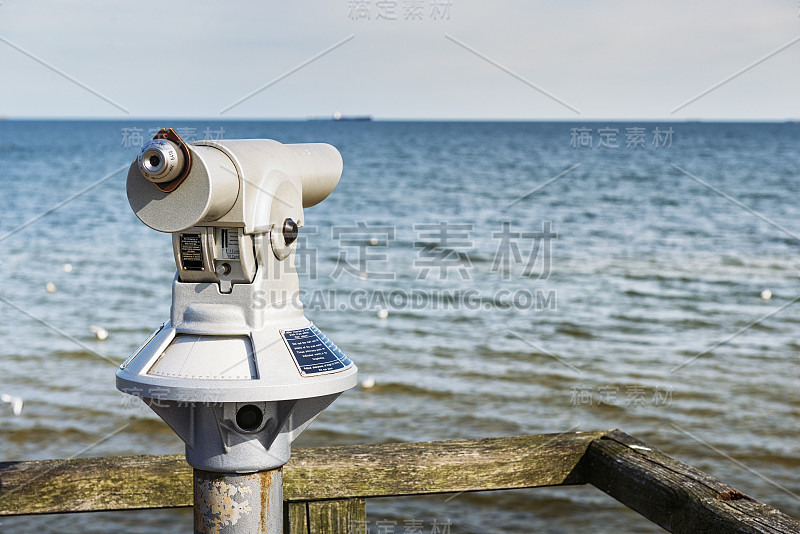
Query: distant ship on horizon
[(338, 116)]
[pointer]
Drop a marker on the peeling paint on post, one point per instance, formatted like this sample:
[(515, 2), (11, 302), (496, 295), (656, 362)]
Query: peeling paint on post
[(238, 504)]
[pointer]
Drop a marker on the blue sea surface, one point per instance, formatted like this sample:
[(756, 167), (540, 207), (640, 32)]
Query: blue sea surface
[(535, 277)]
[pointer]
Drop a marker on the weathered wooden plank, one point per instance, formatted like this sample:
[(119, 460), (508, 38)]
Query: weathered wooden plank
[(295, 518), (90, 484), (666, 491), (125, 483), (436, 467), (672, 494), (345, 515)]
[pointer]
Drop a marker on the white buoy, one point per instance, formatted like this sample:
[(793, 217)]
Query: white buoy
[(15, 402), (67, 267), (766, 294), (363, 276), (99, 332), (51, 287), (383, 314), (368, 382), (373, 241)]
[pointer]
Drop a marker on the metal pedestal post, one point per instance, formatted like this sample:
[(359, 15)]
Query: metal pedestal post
[(229, 503)]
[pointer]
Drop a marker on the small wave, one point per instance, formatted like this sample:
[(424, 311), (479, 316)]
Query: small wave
[(574, 330), (397, 388), (86, 355)]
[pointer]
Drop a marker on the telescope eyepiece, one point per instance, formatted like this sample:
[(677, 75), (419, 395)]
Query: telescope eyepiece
[(161, 161)]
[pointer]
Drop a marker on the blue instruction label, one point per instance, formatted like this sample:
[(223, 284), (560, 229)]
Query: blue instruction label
[(313, 352)]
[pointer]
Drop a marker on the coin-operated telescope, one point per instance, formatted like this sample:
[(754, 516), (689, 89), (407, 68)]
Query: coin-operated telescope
[(238, 372)]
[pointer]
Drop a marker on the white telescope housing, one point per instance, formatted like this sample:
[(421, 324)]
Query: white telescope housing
[(238, 371)]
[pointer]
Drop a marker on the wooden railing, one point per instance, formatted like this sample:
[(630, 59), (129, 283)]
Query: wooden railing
[(325, 488)]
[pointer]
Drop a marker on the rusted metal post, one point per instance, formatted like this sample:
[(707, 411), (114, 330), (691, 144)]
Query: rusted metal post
[(229, 503)]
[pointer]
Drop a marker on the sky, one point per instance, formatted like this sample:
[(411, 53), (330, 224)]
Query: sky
[(401, 59)]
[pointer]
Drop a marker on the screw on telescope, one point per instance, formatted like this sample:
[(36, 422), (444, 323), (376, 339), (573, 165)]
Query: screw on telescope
[(289, 231)]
